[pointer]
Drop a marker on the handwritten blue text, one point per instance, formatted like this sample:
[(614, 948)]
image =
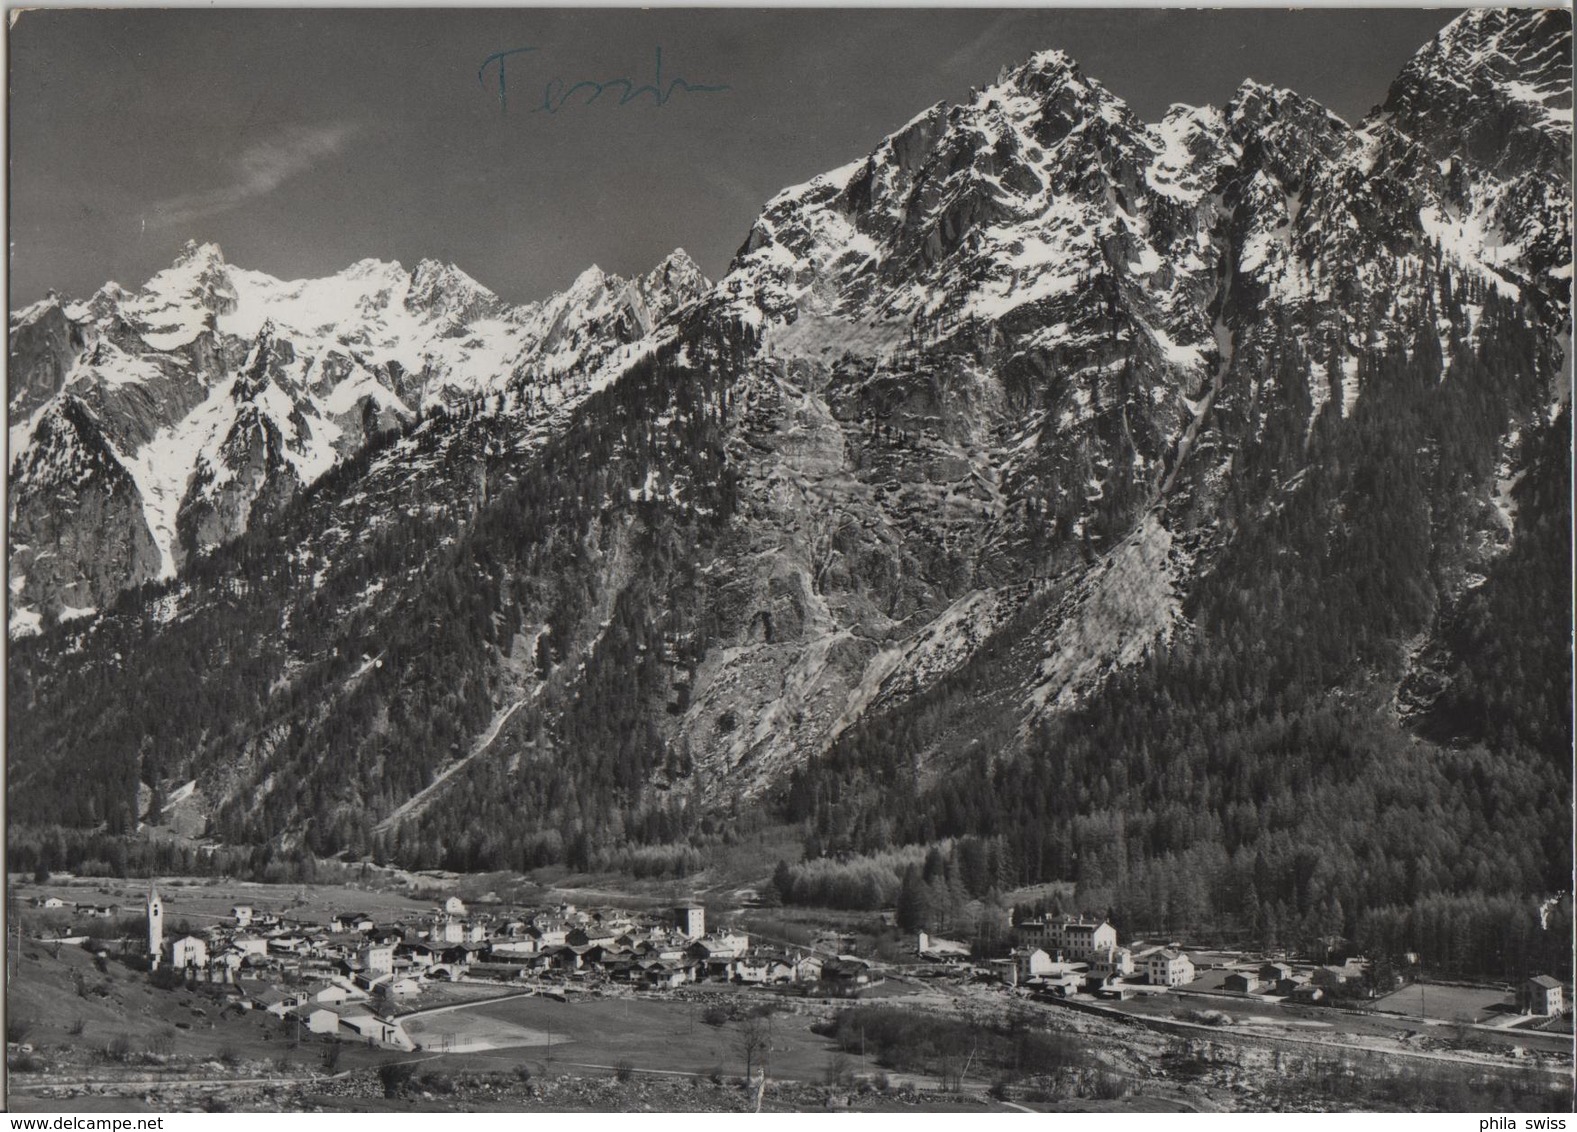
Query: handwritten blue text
[(556, 93)]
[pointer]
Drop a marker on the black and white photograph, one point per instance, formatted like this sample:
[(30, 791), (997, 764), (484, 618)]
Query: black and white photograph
[(789, 560)]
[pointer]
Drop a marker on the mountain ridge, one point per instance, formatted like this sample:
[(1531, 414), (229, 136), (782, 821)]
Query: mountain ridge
[(328, 364), (1029, 404)]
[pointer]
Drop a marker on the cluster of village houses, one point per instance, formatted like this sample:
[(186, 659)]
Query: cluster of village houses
[(353, 975), (349, 976), (1068, 954), (1065, 954)]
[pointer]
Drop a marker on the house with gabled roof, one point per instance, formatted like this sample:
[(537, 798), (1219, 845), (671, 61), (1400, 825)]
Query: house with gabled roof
[(1543, 994), (845, 971), (277, 1001), (1168, 967), (807, 967), (188, 951), (323, 1021)]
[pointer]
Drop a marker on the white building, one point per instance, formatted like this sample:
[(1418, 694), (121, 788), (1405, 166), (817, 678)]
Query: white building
[(377, 958), (1067, 938), (323, 1022), (1543, 995), (725, 945), (1168, 968), (188, 951), (1031, 963), (516, 948), (1112, 963)]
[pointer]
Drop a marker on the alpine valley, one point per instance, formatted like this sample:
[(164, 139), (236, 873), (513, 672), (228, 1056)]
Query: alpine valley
[(1180, 510)]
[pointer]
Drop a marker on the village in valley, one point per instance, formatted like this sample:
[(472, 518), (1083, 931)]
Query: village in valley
[(284, 998)]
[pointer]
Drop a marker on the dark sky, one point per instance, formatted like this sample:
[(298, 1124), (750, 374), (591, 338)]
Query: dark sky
[(302, 141)]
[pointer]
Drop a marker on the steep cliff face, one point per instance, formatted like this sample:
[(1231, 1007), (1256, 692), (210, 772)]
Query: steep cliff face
[(76, 525), (1001, 406), (43, 345)]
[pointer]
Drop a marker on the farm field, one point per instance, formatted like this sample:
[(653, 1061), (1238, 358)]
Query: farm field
[(1450, 1004), (204, 901), (1376, 1030), (651, 1035), (467, 1030)]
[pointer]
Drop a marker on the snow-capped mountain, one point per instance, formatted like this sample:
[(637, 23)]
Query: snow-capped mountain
[(1032, 397), (1081, 316), (216, 393)]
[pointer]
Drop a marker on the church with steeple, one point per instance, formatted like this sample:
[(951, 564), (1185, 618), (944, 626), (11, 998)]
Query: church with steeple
[(155, 927)]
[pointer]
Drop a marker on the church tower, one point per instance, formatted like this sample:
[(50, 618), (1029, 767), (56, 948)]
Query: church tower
[(155, 927)]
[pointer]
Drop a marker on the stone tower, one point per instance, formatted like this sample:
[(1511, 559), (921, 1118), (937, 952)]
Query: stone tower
[(155, 927), (691, 920)]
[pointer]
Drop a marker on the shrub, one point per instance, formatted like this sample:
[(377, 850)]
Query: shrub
[(76, 1028), (1109, 1086), (523, 1073), (716, 1015), (625, 1071), (228, 1055), (17, 1029), (331, 1055), (438, 1083), (840, 1070), (167, 978), (394, 1076), (118, 1048), (715, 1075)]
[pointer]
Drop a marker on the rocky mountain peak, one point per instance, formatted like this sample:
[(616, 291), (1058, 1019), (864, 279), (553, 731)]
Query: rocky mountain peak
[(1043, 73), (590, 282), (1510, 44), (1259, 111), (675, 282), (1490, 75), (444, 291), (172, 307), (194, 252)]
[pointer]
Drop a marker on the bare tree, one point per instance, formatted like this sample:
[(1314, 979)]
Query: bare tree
[(755, 1032)]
